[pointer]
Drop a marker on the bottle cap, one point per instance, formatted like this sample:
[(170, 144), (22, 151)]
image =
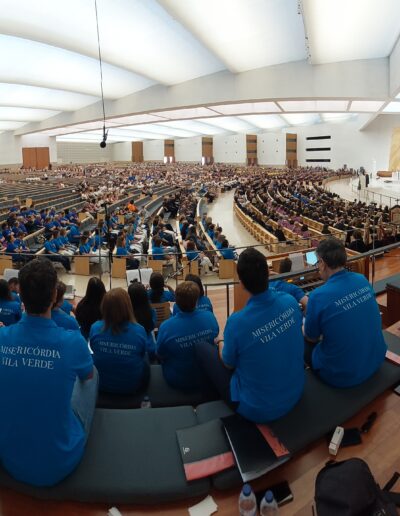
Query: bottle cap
[(246, 490), (269, 496)]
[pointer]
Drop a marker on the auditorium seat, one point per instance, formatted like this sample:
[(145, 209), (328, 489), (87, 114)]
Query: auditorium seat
[(319, 411), (158, 391), (131, 457)]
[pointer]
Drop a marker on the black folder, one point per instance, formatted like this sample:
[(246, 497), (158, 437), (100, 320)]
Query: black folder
[(256, 449), (204, 457)]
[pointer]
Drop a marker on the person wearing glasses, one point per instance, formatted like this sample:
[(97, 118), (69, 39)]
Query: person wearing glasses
[(342, 327)]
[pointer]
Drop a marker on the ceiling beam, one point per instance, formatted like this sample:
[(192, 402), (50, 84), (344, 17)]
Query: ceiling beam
[(363, 80)]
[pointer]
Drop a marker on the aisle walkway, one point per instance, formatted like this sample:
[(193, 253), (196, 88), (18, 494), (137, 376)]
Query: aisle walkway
[(382, 193), (221, 211)]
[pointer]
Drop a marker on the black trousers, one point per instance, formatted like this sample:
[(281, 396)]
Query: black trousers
[(60, 259), (217, 374)]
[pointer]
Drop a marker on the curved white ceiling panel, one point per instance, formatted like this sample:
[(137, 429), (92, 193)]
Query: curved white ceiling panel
[(9, 125), (159, 129), (138, 35), (344, 30), (194, 125), (314, 105), (245, 34), (27, 62), (25, 114), (43, 98), (231, 123), (265, 121)]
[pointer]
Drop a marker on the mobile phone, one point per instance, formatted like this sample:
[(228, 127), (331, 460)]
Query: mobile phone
[(351, 437), (282, 493), (397, 389)]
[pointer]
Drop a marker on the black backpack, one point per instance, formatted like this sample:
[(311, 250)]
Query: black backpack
[(348, 488)]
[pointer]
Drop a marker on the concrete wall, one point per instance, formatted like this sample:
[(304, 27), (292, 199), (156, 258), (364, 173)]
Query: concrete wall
[(121, 151), (11, 147), (188, 149), (76, 152), (153, 150), (369, 148), (230, 148), (271, 149)]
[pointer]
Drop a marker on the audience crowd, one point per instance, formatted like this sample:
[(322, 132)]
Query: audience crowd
[(54, 358)]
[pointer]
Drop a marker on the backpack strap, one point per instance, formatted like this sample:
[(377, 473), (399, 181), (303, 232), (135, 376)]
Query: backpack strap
[(393, 497), (388, 486)]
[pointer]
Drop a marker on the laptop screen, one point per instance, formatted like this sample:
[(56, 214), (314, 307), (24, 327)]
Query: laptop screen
[(311, 258)]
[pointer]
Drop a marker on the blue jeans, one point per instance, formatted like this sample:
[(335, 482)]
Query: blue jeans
[(83, 401)]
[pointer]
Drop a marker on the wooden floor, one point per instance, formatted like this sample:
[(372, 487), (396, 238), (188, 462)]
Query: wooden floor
[(380, 448)]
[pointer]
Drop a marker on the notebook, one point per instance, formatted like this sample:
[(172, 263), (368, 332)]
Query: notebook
[(256, 449), (203, 457), (393, 357), (69, 292)]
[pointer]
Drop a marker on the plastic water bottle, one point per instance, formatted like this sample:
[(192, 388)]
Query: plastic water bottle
[(247, 502), (268, 506), (146, 403)]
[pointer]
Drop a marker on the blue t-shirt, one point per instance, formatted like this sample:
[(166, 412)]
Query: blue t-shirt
[(64, 320), (41, 439), (50, 246), (158, 253), (175, 346), (66, 307), (84, 248), (264, 345), (73, 233), (203, 303), (227, 253), (345, 313), (192, 255), (167, 295), (121, 251), (119, 358), (15, 297), (289, 288), (10, 312)]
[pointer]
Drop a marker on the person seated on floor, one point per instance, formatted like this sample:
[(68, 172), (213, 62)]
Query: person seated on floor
[(357, 242), (157, 292), (88, 310), (343, 321), (203, 303), (158, 251), (178, 335), (49, 370), (51, 253), (227, 252), (119, 346), (58, 315), (325, 230), (258, 368), (290, 288), (193, 254), (13, 249), (13, 285), (132, 263), (10, 309), (144, 314)]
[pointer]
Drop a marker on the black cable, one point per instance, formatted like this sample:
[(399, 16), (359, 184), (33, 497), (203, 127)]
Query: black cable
[(101, 73)]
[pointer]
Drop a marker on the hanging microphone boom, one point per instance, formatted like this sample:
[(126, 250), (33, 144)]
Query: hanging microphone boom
[(103, 144)]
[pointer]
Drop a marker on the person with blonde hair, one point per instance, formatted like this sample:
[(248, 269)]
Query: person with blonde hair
[(118, 343)]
